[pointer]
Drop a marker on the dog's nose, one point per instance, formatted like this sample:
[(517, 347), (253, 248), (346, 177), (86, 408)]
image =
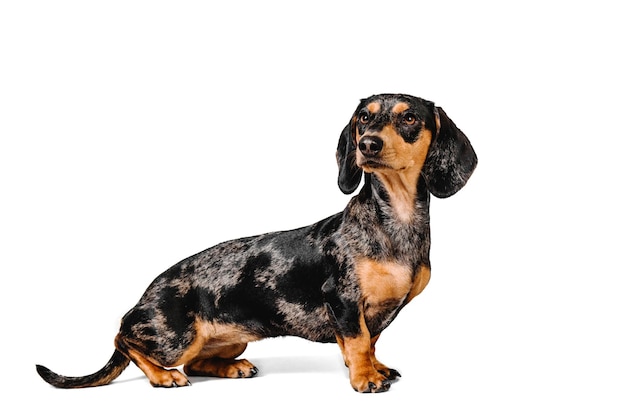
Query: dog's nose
[(370, 145)]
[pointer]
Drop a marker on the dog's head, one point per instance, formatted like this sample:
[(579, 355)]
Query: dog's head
[(400, 132)]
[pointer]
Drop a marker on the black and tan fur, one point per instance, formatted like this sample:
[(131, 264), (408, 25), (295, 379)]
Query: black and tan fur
[(343, 279)]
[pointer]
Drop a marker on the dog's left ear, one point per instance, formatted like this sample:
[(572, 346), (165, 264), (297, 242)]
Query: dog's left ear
[(451, 158), (349, 173)]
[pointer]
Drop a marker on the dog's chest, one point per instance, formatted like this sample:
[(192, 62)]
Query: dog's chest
[(383, 282), (385, 286)]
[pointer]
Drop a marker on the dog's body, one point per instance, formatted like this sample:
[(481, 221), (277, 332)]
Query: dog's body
[(343, 279)]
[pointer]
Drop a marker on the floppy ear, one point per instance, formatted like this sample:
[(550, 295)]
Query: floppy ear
[(349, 173), (451, 158)]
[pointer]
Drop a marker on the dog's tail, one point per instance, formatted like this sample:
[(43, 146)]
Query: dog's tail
[(108, 373)]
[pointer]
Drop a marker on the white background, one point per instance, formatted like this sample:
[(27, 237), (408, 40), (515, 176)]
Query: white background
[(134, 134)]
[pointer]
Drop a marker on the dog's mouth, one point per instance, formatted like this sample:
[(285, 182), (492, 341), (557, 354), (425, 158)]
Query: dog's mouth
[(373, 164)]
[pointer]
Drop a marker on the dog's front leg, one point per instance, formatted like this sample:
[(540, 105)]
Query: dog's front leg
[(357, 355), (345, 314), (389, 373)]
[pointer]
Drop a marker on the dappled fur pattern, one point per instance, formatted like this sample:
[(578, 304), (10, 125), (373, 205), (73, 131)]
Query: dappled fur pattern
[(342, 279)]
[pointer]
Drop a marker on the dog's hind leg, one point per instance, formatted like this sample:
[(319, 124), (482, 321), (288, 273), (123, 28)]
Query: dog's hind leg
[(155, 354), (157, 374), (220, 362)]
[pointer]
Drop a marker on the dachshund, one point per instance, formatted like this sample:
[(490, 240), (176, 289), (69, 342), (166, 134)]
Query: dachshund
[(342, 279)]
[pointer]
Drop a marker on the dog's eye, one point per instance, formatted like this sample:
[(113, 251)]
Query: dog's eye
[(364, 118), (409, 118)]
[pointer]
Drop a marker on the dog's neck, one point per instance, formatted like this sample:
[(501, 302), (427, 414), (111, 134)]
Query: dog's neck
[(386, 205), (399, 191)]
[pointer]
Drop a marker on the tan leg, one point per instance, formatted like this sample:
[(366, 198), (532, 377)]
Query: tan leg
[(221, 362), (389, 373), (357, 354), (157, 375)]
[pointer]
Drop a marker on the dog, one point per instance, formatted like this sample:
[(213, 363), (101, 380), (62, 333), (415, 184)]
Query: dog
[(342, 279)]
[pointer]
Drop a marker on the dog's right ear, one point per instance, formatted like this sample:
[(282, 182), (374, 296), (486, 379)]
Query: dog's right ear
[(349, 173)]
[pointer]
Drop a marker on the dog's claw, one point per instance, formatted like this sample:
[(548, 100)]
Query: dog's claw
[(251, 372), (384, 386), (393, 374)]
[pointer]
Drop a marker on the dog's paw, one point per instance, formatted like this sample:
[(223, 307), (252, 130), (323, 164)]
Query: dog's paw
[(242, 369), (370, 381), (223, 368), (389, 373), (169, 379)]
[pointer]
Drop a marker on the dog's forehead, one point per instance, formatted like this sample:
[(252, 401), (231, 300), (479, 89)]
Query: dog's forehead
[(392, 103)]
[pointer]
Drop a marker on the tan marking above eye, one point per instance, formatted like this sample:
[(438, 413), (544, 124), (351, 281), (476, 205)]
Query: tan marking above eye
[(400, 107), (373, 107)]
